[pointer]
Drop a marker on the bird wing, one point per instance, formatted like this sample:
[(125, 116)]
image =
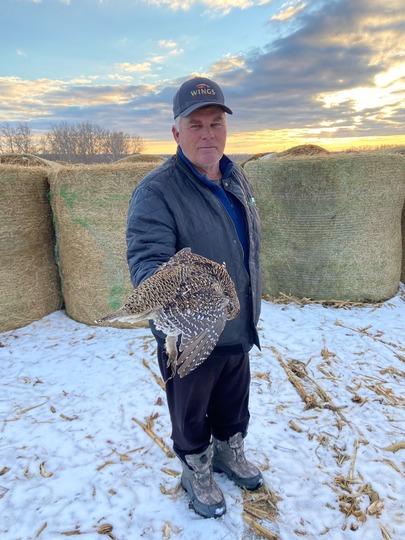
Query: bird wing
[(195, 352), (199, 328), (179, 258)]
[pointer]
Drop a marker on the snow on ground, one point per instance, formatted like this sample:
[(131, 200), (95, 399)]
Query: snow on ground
[(327, 429)]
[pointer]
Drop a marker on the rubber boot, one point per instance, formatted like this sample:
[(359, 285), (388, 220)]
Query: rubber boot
[(206, 497), (229, 458)]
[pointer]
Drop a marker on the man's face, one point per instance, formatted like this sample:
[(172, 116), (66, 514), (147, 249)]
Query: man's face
[(202, 136)]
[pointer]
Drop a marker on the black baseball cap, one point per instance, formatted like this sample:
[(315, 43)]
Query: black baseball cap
[(196, 93)]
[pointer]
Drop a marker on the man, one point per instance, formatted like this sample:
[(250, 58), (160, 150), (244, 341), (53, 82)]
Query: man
[(200, 199)]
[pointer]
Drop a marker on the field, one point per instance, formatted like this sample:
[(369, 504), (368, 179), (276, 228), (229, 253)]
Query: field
[(85, 435)]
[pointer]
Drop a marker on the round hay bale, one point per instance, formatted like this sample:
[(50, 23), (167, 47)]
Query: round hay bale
[(29, 280), (26, 160), (303, 150), (260, 155), (393, 150), (142, 158), (90, 204), (403, 246), (331, 225)]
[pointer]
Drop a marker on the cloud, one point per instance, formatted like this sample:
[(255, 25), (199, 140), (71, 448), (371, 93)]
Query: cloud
[(216, 7), (120, 77), (167, 44), (288, 11), (66, 2), (83, 80), (20, 52), (228, 63), (336, 73), (171, 47), (134, 68), (343, 62)]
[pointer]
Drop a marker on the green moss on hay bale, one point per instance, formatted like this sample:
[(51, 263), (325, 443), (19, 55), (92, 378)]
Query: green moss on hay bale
[(29, 281), (90, 207), (331, 225)]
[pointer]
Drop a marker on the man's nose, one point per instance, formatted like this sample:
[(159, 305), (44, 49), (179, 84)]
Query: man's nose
[(206, 132)]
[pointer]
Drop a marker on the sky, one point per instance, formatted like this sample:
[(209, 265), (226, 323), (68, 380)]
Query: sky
[(74, 454), (327, 72)]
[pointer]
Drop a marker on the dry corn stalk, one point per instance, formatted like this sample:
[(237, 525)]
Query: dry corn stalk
[(364, 332), (106, 528), (23, 411), (384, 532), (284, 298), (259, 529), (395, 447), (392, 371), (41, 530), (156, 439), (393, 465), (43, 472), (260, 505), (351, 472), (310, 401), (380, 390), (105, 464), (294, 426), (157, 378)]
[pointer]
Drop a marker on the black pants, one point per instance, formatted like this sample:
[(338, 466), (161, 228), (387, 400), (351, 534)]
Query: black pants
[(211, 400)]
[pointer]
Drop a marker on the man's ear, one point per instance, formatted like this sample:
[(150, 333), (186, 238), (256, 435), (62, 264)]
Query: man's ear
[(175, 134)]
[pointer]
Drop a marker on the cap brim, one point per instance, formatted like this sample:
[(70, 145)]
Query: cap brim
[(196, 106)]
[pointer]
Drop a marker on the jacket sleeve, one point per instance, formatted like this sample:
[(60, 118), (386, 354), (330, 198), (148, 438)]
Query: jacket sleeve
[(151, 233)]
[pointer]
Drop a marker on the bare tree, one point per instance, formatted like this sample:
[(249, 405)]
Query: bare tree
[(116, 144), (18, 139), (137, 144), (119, 144), (85, 142), (61, 141)]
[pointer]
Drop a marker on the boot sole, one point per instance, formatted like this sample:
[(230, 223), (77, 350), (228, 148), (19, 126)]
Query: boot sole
[(251, 484)]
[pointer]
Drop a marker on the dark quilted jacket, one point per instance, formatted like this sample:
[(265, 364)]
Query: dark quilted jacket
[(172, 208)]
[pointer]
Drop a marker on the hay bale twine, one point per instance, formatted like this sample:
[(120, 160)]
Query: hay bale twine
[(142, 158), (331, 225), (29, 280), (90, 204)]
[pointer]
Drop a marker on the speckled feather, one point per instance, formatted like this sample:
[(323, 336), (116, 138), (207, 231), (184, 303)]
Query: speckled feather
[(188, 296)]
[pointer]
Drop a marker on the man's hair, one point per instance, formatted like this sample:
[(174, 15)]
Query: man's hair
[(177, 121)]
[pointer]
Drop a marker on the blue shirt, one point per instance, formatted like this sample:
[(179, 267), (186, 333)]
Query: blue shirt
[(231, 203)]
